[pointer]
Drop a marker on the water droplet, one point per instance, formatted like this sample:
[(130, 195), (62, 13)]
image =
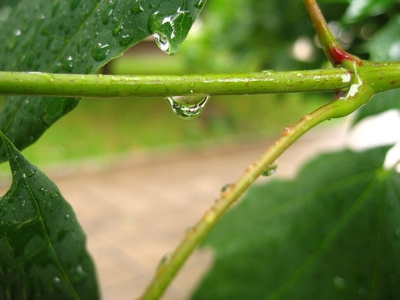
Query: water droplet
[(42, 190), (125, 39), (79, 273), (31, 172), (100, 51), (287, 130), (170, 30), (66, 217), (162, 42), (108, 11), (68, 63), (57, 283), (117, 30), (164, 260), (271, 170), (339, 282), (137, 7), (398, 232), (188, 107), (200, 4), (54, 194)]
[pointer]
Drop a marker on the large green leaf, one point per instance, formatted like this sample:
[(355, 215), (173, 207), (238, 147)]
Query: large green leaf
[(77, 36), (334, 233), (42, 246)]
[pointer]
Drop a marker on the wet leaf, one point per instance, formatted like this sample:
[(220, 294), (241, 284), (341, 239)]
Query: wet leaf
[(334, 233), (77, 36), (42, 246)]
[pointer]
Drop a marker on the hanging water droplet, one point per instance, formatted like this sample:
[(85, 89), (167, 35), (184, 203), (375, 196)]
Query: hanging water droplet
[(271, 170), (100, 51), (162, 42), (170, 29), (137, 7), (188, 107)]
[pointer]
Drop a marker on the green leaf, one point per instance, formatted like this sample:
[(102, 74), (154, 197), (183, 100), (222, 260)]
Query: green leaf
[(77, 36), (334, 233), (361, 9), (378, 104), (42, 246), (385, 46)]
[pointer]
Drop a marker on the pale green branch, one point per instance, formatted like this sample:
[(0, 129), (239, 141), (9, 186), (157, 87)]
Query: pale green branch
[(111, 86)]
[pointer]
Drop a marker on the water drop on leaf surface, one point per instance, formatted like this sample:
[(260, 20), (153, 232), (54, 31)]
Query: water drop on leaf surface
[(188, 107), (100, 51), (137, 7)]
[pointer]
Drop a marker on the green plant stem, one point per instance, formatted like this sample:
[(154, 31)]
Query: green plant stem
[(386, 75), (332, 48), (110, 86), (168, 268)]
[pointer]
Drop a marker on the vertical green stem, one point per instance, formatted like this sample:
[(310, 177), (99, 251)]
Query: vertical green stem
[(332, 48)]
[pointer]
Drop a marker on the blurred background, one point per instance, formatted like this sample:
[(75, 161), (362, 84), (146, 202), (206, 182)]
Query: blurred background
[(229, 36), (108, 152)]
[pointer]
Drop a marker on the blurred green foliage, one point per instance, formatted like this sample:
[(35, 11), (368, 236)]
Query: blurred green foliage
[(254, 35)]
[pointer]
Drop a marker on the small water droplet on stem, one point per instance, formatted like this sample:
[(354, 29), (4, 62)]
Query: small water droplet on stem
[(271, 169)]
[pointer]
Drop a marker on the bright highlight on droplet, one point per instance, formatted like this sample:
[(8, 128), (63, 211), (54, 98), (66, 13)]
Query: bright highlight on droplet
[(188, 107)]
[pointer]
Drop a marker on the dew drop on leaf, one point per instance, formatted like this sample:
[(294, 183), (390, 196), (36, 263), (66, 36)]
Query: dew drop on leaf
[(199, 4), (100, 51), (125, 39), (271, 170), (188, 107), (137, 7), (57, 283), (68, 63), (117, 30), (108, 12)]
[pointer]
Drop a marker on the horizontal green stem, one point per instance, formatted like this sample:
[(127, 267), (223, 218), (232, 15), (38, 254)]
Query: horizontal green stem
[(110, 86)]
